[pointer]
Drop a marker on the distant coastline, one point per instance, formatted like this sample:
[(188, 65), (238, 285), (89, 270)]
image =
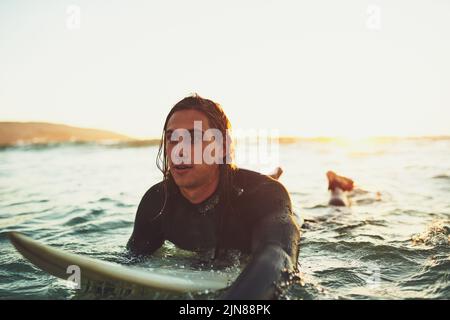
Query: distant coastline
[(43, 133), (18, 134)]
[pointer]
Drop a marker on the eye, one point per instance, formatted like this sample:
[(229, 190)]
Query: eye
[(171, 142)]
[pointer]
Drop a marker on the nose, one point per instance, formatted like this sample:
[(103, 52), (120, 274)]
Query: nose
[(180, 153)]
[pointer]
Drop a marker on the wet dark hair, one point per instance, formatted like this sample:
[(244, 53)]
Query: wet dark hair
[(217, 119)]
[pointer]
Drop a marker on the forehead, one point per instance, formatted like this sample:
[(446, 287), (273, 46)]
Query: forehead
[(184, 119)]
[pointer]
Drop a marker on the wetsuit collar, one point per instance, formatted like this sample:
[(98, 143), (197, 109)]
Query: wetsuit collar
[(210, 203)]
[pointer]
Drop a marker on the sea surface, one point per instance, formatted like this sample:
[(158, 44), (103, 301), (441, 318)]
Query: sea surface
[(392, 243)]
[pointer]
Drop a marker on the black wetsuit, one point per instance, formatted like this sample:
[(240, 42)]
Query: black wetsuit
[(259, 221)]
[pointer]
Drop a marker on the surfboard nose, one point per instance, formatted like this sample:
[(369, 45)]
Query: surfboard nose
[(22, 243), (13, 236), (18, 240)]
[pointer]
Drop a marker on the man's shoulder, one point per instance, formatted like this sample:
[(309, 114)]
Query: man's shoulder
[(263, 196), (155, 192), (246, 176), (255, 182)]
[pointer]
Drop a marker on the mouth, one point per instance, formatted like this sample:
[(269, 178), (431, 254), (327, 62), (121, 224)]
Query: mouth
[(182, 168)]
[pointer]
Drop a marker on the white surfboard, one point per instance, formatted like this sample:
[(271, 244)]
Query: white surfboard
[(57, 261)]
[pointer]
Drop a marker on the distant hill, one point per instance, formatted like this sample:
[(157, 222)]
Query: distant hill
[(12, 133)]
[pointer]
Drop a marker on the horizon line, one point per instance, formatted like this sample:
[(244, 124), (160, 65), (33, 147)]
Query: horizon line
[(284, 137)]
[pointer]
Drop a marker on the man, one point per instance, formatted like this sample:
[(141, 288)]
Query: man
[(215, 206)]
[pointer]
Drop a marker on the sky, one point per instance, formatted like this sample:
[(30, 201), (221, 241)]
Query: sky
[(307, 68)]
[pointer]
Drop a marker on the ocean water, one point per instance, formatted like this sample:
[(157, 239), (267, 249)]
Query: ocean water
[(392, 243)]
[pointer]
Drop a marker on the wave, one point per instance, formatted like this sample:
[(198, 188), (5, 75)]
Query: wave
[(437, 234), (432, 279)]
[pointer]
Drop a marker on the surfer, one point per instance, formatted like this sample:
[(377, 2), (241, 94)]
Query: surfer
[(339, 187), (217, 207)]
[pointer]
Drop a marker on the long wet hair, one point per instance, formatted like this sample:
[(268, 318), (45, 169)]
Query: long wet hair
[(217, 120)]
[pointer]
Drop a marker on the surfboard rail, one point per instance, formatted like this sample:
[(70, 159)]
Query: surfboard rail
[(57, 261)]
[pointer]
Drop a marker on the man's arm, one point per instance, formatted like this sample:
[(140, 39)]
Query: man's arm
[(275, 244), (147, 234)]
